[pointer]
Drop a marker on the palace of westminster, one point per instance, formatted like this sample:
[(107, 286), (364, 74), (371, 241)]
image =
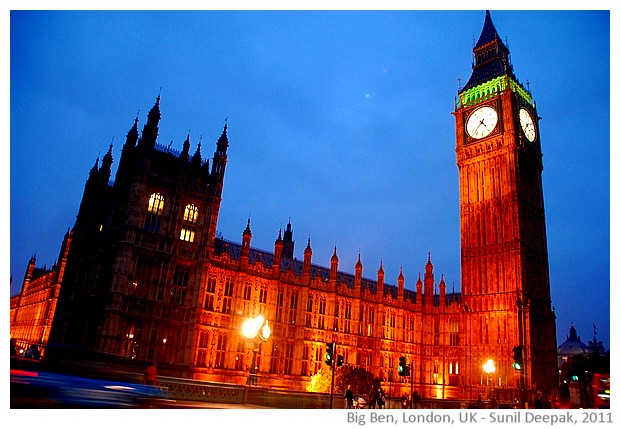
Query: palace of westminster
[(142, 274)]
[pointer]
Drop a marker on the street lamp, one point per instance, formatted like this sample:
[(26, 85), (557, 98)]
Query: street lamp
[(256, 329), (489, 368)]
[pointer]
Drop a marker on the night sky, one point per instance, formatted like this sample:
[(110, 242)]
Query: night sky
[(340, 121)]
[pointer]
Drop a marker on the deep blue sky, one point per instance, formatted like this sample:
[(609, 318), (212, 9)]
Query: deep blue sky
[(339, 120)]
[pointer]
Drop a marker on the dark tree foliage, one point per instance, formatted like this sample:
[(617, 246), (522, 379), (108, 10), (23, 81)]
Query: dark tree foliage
[(359, 378)]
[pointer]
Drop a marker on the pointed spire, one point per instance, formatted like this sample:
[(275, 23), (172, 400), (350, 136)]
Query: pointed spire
[(222, 142), (95, 169), (106, 162), (400, 275), (488, 33), (197, 157), (491, 56), (185, 151), (247, 228), (151, 128), (308, 246), (132, 134)]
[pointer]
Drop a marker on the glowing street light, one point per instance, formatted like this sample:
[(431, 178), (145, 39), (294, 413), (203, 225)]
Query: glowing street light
[(489, 368), (256, 329)]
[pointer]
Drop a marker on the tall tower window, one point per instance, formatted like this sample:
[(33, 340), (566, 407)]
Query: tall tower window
[(179, 286), (155, 210), (209, 294), (454, 332), (190, 215), (228, 293)]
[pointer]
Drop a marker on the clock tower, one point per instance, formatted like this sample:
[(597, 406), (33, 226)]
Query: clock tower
[(504, 262)]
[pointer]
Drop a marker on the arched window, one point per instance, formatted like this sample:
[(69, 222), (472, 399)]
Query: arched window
[(188, 231), (155, 210)]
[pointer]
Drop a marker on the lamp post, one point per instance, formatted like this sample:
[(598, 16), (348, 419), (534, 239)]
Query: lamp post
[(489, 368), (257, 330)]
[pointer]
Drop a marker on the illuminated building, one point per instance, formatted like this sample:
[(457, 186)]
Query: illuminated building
[(147, 277)]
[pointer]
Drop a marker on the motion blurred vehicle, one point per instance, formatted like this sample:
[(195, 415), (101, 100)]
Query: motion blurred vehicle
[(37, 389), (599, 390)]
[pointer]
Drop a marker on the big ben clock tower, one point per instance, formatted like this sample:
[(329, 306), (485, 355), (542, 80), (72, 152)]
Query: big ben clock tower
[(504, 262)]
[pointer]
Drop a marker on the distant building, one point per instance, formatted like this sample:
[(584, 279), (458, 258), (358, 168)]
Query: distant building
[(148, 279), (32, 311), (573, 346)]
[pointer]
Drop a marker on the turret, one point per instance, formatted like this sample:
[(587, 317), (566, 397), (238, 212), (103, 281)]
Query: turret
[(106, 167), (380, 277), (185, 151), (401, 283), (418, 290), (151, 128), (429, 282), (358, 272), (307, 262), (245, 246), (289, 244), (333, 269), (277, 255), (29, 270), (442, 291)]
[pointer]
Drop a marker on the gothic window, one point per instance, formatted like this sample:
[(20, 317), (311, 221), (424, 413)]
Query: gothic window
[(239, 357), (309, 312), (203, 346), (131, 335), (168, 343), (292, 315), (275, 358), (411, 328), (179, 285), (228, 293), (322, 306), (220, 351), (436, 331), (304, 360), (210, 294), (336, 315), (288, 358), (279, 305), (454, 332), (318, 359), (190, 215), (155, 210), (142, 277), (247, 291), (262, 297), (347, 318), (371, 322)]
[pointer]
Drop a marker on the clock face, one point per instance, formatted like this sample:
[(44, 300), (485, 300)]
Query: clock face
[(527, 124), (481, 122)]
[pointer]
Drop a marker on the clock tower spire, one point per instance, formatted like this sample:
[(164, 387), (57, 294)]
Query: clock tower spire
[(504, 260)]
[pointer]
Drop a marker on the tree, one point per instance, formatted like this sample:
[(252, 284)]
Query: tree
[(360, 380), (320, 382)]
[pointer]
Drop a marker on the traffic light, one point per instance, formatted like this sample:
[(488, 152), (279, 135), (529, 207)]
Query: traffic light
[(329, 353), (402, 366), (339, 360), (518, 358)]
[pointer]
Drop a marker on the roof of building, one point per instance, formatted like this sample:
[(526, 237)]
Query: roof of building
[(266, 259), (494, 65), (573, 344)]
